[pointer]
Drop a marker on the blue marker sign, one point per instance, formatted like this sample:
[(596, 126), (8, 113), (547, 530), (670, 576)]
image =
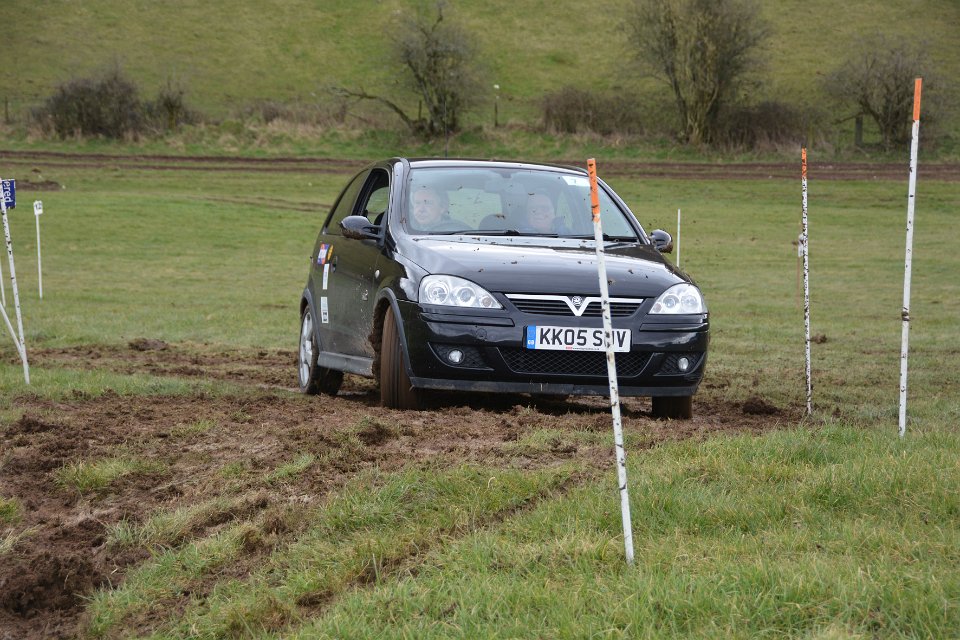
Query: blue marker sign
[(10, 193)]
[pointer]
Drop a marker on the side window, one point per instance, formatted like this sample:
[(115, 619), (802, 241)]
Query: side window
[(345, 204), (376, 194)]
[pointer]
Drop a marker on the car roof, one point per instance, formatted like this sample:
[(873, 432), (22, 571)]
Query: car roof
[(418, 163)]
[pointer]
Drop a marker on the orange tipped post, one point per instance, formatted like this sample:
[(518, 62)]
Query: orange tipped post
[(908, 266), (594, 197), (619, 449)]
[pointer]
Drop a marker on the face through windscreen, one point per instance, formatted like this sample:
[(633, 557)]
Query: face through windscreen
[(540, 214), (429, 208)]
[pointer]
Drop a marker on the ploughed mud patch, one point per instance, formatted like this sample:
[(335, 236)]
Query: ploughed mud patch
[(184, 450)]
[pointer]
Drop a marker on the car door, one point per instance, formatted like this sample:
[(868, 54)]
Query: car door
[(350, 267)]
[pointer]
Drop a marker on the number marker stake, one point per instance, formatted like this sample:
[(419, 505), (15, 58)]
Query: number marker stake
[(905, 313), (611, 365), (21, 345)]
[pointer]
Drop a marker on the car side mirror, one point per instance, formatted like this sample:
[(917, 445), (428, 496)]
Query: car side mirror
[(662, 240), (359, 228)]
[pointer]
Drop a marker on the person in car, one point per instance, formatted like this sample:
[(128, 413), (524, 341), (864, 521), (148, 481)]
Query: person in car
[(540, 214), (430, 209)]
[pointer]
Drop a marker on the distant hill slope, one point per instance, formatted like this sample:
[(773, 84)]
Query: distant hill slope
[(230, 54)]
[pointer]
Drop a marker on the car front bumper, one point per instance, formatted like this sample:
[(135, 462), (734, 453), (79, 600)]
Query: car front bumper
[(494, 358)]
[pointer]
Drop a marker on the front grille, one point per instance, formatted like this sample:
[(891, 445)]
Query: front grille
[(549, 305), (575, 363)]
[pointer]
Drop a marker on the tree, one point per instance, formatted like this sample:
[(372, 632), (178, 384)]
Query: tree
[(877, 80), (438, 57), (704, 49)]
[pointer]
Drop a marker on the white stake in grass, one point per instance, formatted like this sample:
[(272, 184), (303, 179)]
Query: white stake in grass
[(37, 210), (905, 314), (805, 249), (21, 344), (611, 365), (678, 237)]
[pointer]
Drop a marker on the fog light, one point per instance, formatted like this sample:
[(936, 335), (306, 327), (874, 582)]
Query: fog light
[(683, 364), (455, 356)]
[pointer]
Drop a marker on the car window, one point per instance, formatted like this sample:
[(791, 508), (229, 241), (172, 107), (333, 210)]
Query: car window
[(504, 200), (345, 204), (375, 197)]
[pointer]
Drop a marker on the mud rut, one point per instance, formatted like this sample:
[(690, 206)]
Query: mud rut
[(62, 555)]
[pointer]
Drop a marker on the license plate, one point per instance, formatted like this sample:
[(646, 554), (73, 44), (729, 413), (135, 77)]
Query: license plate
[(574, 339)]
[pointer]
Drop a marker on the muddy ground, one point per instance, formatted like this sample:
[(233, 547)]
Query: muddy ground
[(64, 554)]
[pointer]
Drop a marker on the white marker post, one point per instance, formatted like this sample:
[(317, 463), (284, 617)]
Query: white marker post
[(611, 364), (805, 249), (21, 344), (3, 287), (905, 313), (678, 237), (37, 211)]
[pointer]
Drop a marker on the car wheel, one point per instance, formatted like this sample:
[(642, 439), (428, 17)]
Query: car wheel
[(675, 407), (396, 392), (312, 377)]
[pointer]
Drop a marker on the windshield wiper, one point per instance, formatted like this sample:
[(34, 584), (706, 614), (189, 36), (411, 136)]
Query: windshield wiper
[(495, 232), (607, 238)]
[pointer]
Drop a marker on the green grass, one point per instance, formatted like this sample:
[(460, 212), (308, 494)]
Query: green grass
[(84, 476), (364, 532), (795, 534), (230, 57), (832, 527), (11, 511)]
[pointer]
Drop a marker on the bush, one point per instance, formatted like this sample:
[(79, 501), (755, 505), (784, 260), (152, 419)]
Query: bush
[(704, 50), (169, 111), (108, 106), (572, 110), (768, 124), (877, 81)]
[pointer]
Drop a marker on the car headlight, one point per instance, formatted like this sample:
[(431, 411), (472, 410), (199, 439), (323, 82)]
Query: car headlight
[(455, 292), (680, 298)]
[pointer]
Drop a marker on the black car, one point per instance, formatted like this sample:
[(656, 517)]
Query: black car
[(482, 276)]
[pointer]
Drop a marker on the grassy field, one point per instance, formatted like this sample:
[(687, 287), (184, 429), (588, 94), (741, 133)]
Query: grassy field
[(827, 527), (230, 57)]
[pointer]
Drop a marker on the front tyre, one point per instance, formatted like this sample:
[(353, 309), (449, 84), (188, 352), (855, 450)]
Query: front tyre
[(313, 378), (396, 392), (673, 407)]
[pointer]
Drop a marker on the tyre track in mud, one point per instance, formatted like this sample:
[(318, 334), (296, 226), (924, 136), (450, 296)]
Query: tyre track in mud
[(257, 424)]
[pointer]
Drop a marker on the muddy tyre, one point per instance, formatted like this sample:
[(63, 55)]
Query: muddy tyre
[(673, 407), (313, 378), (396, 392)]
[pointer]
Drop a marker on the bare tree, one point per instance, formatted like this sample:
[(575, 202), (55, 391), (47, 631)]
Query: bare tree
[(877, 81), (439, 60), (704, 49)]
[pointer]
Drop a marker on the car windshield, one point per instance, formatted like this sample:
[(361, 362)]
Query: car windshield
[(508, 201)]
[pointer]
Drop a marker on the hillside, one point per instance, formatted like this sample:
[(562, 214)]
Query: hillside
[(229, 56)]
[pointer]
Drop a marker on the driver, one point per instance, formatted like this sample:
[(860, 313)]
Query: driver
[(540, 213), (430, 208)]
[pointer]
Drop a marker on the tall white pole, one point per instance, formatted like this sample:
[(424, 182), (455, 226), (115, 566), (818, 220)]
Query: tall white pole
[(37, 210), (805, 246), (611, 365), (905, 313), (3, 286), (16, 295), (678, 237)]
